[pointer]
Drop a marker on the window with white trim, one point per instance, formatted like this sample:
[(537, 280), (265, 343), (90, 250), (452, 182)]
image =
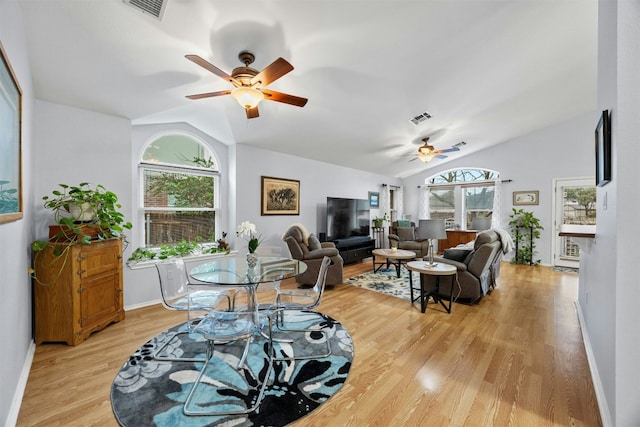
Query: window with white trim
[(179, 185), (464, 198)]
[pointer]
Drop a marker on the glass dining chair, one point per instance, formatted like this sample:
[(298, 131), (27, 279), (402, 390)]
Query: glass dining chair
[(295, 306), (228, 365), (180, 295)]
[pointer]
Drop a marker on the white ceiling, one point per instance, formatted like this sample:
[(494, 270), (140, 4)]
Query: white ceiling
[(487, 70)]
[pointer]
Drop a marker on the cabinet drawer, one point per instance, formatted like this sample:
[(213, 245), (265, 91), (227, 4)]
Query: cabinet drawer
[(98, 258)]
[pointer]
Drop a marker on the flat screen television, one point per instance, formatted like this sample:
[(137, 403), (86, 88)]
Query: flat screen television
[(347, 218)]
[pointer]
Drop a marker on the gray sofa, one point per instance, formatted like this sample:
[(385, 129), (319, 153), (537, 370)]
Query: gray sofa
[(478, 268), (403, 236)]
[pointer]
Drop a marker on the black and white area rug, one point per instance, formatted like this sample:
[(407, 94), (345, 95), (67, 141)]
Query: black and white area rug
[(387, 282), (147, 392)]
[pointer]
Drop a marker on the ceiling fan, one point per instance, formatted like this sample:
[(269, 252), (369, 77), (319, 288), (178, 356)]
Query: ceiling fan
[(250, 84), (427, 152)]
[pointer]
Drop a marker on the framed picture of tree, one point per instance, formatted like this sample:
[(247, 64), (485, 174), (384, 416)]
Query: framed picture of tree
[(10, 143), (280, 196)]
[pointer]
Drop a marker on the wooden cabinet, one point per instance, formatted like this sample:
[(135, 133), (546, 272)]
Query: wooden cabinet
[(455, 238), (77, 292)]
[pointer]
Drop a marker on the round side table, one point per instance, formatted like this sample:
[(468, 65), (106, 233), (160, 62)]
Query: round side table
[(439, 269)]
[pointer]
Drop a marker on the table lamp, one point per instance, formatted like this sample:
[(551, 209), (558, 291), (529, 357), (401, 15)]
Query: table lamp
[(431, 229)]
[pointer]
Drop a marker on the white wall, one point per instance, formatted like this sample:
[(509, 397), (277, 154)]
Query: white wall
[(532, 162), (609, 291), (15, 255), (75, 146), (318, 181)]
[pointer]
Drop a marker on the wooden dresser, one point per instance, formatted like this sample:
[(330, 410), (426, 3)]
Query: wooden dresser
[(455, 238), (79, 292)]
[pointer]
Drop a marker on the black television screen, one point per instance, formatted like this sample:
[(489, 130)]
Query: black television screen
[(347, 218)]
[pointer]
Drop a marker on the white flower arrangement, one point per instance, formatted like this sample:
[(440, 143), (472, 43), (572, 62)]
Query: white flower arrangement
[(248, 231)]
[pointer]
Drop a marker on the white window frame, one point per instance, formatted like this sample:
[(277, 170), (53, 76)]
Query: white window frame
[(459, 187), (173, 168)]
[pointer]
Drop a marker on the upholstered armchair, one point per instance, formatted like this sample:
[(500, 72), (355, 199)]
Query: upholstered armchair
[(402, 234), (478, 268), (307, 248)]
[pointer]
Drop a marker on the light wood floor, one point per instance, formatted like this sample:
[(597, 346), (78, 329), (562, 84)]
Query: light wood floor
[(514, 359)]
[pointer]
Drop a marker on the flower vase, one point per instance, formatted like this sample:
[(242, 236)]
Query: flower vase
[(252, 259)]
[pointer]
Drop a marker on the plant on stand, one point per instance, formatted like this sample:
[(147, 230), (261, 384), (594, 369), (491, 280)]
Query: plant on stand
[(82, 213), (379, 222), (525, 229), (247, 231)]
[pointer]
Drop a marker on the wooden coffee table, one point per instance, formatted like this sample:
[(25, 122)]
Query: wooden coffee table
[(438, 269), (392, 258)]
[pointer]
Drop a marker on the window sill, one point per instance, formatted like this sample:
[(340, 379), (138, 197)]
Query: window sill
[(137, 265)]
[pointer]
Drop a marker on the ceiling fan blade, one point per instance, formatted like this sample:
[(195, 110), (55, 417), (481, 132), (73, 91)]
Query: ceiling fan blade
[(440, 156), (448, 150), (273, 72), (215, 70), (252, 113), (209, 94), (283, 97)]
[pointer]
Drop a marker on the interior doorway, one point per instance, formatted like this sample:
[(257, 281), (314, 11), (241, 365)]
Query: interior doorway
[(574, 203)]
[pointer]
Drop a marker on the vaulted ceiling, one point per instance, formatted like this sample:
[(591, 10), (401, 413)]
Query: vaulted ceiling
[(485, 70)]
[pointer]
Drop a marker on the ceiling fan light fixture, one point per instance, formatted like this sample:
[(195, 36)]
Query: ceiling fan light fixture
[(247, 97), (426, 157)]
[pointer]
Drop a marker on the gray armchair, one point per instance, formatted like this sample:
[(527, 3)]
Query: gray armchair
[(478, 268), (311, 251), (405, 238)]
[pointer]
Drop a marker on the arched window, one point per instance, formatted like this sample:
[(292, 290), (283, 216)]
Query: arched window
[(179, 188), (464, 198)]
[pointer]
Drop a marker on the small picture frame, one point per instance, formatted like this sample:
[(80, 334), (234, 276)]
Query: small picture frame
[(603, 149), (280, 196), (374, 199), (526, 198)]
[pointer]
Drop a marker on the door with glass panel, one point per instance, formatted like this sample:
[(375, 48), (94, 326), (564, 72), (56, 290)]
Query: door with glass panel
[(575, 203)]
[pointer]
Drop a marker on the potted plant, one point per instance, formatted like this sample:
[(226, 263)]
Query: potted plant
[(83, 213), (379, 222), (526, 229)]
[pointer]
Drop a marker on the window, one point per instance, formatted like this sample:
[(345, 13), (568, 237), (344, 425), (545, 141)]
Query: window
[(462, 197), (179, 191)]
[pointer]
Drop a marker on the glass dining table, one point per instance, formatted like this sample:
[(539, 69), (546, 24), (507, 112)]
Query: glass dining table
[(234, 271)]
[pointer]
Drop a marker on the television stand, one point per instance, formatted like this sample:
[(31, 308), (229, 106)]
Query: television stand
[(354, 249)]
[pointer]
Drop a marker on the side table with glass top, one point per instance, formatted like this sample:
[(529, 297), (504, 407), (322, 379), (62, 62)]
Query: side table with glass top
[(438, 270)]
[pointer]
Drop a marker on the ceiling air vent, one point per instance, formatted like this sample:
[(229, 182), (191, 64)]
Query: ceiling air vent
[(154, 8), (460, 144), (420, 118)]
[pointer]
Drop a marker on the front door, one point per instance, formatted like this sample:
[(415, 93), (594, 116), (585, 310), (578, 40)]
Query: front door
[(575, 203)]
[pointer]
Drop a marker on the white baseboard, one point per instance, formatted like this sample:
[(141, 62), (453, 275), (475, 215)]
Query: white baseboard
[(142, 304), (14, 411), (593, 367)]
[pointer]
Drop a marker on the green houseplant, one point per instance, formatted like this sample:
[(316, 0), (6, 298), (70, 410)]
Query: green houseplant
[(83, 213), (525, 229)]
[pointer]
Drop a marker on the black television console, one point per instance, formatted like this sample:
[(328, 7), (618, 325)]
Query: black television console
[(354, 249)]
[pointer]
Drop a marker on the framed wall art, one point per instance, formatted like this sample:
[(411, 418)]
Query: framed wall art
[(10, 143), (374, 199), (526, 197), (280, 196), (603, 149)]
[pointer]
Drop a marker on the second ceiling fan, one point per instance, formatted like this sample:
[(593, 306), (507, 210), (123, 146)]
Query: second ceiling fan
[(250, 84), (427, 152)]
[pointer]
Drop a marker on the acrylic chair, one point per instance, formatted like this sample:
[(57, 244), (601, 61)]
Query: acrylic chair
[(297, 300), (181, 295), (225, 328)]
